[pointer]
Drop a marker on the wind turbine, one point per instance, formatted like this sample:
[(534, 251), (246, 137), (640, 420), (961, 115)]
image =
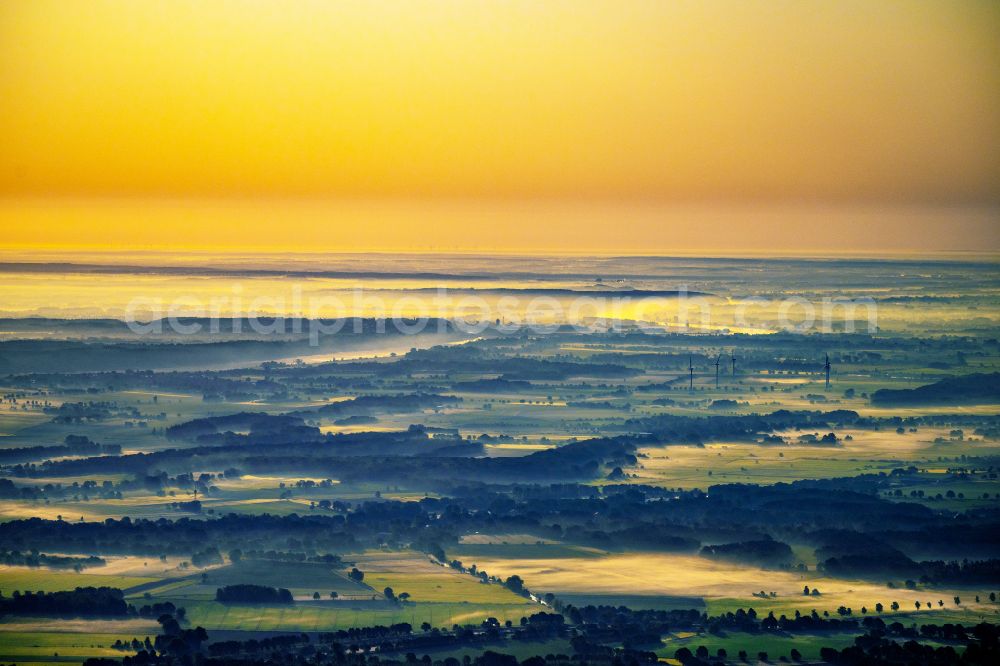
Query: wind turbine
[(732, 355), (690, 374), (826, 367), (718, 359)]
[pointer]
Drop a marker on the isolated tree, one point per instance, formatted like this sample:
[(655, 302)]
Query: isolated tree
[(334, 595), (878, 607), (894, 606), (316, 595), (514, 584)]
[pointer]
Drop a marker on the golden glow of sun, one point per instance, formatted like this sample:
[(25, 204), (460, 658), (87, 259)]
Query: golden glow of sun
[(605, 107)]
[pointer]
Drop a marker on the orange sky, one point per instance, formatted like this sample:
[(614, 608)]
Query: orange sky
[(599, 106)]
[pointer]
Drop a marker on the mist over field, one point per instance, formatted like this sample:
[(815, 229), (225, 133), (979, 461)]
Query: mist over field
[(696, 458), (471, 333)]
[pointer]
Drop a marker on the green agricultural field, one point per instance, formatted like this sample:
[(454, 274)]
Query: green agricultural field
[(343, 614), (965, 494), (258, 507), (94, 510), (440, 596), (775, 646), (968, 613), (426, 581), (301, 578), (13, 422), (37, 648), (48, 580), (60, 641)]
